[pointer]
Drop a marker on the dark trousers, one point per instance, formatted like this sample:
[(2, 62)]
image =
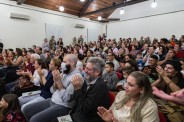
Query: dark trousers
[(44, 111)]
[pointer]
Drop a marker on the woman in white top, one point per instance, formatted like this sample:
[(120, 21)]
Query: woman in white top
[(39, 66), (134, 104)]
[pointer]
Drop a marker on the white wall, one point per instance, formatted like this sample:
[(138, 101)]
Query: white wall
[(142, 20), (138, 20), (20, 33)]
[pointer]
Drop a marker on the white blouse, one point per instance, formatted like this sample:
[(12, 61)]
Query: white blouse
[(149, 112), (36, 77)]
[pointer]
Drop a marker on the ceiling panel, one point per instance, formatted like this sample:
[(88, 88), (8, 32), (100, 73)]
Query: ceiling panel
[(75, 7)]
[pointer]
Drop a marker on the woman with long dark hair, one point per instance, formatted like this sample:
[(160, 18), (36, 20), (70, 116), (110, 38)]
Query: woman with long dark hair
[(10, 109), (18, 59)]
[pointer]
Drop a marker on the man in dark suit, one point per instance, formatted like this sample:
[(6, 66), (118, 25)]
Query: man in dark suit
[(91, 93)]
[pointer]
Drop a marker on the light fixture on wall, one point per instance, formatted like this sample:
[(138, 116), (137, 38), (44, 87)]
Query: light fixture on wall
[(154, 4), (82, 0), (61, 8), (99, 18), (122, 11)]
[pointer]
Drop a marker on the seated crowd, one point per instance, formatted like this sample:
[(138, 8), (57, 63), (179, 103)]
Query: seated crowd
[(42, 83)]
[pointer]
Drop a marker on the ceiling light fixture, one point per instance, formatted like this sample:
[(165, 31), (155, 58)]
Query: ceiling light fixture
[(154, 4), (99, 18), (61, 8), (122, 11), (82, 0)]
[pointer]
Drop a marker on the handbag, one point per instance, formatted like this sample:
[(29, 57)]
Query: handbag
[(24, 82), (174, 113)]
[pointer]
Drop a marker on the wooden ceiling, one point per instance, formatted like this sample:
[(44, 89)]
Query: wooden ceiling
[(90, 8)]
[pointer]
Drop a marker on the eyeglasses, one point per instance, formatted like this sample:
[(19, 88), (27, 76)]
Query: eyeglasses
[(88, 69)]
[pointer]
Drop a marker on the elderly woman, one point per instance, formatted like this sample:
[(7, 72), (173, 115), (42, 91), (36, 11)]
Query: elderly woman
[(29, 67), (171, 79), (135, 104)]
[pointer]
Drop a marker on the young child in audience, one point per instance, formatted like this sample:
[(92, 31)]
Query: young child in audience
[(147, 71), (139, 61), (126, 71), (110, 77), (10, 109)]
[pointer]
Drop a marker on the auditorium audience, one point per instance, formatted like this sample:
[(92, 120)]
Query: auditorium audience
[(45, 82), (32, 80), (10, 87), (159, 60), (62, 99)]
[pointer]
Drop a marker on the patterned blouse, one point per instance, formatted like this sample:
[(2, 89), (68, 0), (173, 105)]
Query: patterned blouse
[(13, 116)]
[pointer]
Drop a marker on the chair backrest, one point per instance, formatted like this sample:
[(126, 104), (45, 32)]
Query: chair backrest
[(161, 117), (119, 75), (112, 97)]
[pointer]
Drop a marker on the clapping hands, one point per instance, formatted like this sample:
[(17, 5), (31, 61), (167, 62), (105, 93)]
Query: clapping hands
[(77, 82), (24, 73), (106, 115), (57, 79), (160, 71), (40, 72)]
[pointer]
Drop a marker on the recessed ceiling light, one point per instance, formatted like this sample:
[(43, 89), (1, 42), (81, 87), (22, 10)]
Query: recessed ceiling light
[(154, 4), (99, 18), (121, 11), (82, 0), (61, 8)]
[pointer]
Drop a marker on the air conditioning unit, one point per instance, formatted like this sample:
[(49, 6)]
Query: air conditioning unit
[(76, 25), (19, 16)]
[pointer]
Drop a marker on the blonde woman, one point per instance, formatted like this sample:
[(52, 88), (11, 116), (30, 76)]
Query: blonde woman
[(135, 104)]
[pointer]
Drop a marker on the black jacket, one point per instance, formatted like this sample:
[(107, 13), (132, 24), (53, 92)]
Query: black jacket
[(87, 102)]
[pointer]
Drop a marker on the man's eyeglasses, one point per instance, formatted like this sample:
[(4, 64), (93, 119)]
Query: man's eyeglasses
[(88, 69)]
